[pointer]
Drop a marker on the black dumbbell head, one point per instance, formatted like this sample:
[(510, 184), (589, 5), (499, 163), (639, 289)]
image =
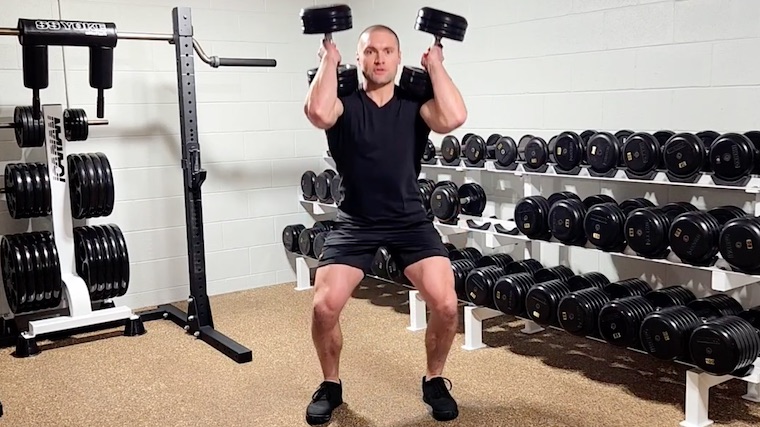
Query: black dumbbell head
[(326, 19), (441, 24), (415, 83)]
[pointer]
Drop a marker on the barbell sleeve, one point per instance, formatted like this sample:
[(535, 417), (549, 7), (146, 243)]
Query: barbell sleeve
[(90, 122)]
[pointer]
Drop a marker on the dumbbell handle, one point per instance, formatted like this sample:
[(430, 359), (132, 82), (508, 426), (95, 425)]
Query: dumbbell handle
[(438, 41), (90, 122)]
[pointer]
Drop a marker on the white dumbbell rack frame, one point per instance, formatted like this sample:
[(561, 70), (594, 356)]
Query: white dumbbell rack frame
[(698, 382), (75, 294)]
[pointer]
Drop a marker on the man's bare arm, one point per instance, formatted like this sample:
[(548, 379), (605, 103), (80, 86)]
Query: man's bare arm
[(446, 111), (322, 106)]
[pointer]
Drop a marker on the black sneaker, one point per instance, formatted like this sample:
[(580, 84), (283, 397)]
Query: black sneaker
[(328, 396), (436, 394)]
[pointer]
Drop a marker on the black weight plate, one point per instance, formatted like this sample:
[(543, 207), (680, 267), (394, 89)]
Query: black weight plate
[(444, 203), (429, 152), (308, 181), (623, 134), (94, 183), (684, 154), (97, 262), (28, 183), (587, 134), (536, 152), (336, 189), (641, 153), (78, 186), (15, 280), (35, 268), (122, 257), (116, 261), (506, 151), (689, 239), (597, 199), (415, 82), (27, 271), (41, 198), (475, 149), (477, 203), (29, 132), (109, 262), (44, 265), (87, 265), (450, 148), (521, 144), (13, 186), (567, 151), (54, 267), (600, 226), (738, 240), (109, 194), (732, 156), (603, 152), (440, 23), (8, 267), (326, 19)]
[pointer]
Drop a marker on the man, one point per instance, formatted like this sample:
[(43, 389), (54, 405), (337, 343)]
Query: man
[(376, 137)]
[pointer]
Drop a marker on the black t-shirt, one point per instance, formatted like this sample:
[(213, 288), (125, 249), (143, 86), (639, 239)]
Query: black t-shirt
[(377, 151)]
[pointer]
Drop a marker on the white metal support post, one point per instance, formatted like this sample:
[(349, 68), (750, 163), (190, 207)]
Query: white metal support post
[(417, 312), (75, 292), (303, 274)]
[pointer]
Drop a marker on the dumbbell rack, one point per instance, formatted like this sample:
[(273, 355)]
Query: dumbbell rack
[(75, 294), (698, 382)]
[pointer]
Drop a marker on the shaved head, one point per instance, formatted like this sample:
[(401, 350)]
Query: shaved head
[(378, 54)]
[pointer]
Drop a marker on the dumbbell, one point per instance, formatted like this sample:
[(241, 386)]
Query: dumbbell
[(532, 213), (430, 152), (451, 147), (620, 319), (604, 153), (734, 157), (534, 151), (473, 254), (448, 202), (476, 149), (687, 154), (327, 20), (307, 236), (568, 150), (694, 236), (727, 345), (415, 81), (290, 235), (604, 223), (510, 290), (481, 280), (308, 182), (505, 152), (426, 187), (578, 310), (323, 186), (384, 266), (665, 333), (738, 239), (643, 152), (336, 189), (646, 229), (566, 218)]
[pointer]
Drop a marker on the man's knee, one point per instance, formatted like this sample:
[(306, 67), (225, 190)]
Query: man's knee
[(333, 288), (445, 305)]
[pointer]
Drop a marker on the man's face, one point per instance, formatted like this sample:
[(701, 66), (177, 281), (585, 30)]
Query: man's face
[(378, 56)]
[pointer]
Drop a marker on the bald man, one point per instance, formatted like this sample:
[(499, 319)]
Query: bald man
[(376, 136)]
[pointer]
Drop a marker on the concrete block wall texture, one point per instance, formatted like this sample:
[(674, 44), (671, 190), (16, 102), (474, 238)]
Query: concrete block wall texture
[(526, 66)]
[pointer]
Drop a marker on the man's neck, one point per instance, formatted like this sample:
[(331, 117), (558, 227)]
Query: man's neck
[(380, 94)]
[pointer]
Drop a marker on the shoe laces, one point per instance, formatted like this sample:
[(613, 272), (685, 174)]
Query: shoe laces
[(442, 387), (321, 392)]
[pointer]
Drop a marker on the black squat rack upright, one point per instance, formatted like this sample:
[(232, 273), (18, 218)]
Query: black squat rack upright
[(35, 35)]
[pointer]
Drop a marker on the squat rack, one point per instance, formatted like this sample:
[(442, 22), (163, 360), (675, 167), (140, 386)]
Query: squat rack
[(35, 35)]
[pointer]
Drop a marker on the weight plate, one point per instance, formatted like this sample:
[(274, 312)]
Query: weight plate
[(450, 148), (28, 183), (41, 199), (308, 181), (83, 256), (641, 153), (646, 231), (587, 134), (444, 203), (603, 152), (118, 265), (429, 152), (738, 240), (13, 186), (566, 221), (29, 132), (109, 194), (8, 264), (98, 262), (568, 150), (604, 226), (27, 272), (506, 151), (326, 19), (531, 215), (322, 186), (336, 189), (77, 186), (122, 257), (597, 199), (475, 149), (441, 24), (476, 196), (689, 236), (46, 277), (684, 155), (34, 270), (94, 183), (536, 152), (623, 134), (415, 83), (108, 261), (732, 156)]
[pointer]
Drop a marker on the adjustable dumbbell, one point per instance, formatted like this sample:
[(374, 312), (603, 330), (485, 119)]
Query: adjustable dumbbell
[(415, 81), (448, 202), (327, 20)]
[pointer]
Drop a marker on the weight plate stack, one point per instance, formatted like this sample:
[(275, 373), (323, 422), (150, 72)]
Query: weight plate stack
[(75, 124), (620, 320), (461, 269), (627, 288), (568, 150), (348, 79), (726, 345), (29, 132), (647, 228), (738, 239), (441, 24), (308, 183), (665, 333), (479, 285), (578, 311), (686, 154), (31, 271), (542, 301), (102, 260), (734, 156), (604, 152), (593, 279), (322, 186), (535, 152), (472, 254), (91, 185), (290, 236), (547, 274), (415, 83), (27, 190), (509, 293), (604, 226), (694, 236), (505, 151)]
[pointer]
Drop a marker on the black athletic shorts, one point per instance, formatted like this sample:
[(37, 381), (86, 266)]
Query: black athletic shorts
[(356, 245)]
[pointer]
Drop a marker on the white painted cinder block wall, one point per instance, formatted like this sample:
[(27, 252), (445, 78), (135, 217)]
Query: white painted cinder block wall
[(527, 66)]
